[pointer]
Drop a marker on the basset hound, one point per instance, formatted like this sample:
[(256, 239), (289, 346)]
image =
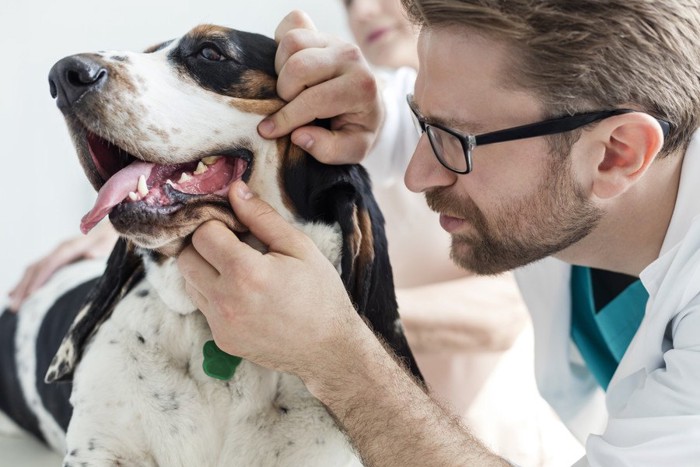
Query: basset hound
[(107, 368)]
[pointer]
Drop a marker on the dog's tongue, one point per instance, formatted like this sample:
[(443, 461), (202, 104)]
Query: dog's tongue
[(114, 191)]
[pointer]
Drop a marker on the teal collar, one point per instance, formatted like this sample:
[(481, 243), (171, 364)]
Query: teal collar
[(603, 336)]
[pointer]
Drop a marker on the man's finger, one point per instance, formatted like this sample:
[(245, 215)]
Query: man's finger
[(217, 245), (351, 135), (343, 146), (199, 300), (296, 19), (312, 64), (197, 271), (330, 88), (311, 104), (295, 32), (264, 222), (293, 115)]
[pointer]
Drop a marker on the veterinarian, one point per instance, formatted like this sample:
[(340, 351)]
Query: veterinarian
[(599, 219)]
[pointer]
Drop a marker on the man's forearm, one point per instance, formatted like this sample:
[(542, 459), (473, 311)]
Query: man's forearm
[(390, 419)]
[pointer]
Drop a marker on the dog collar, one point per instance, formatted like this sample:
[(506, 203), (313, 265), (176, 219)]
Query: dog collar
[(217, 363)]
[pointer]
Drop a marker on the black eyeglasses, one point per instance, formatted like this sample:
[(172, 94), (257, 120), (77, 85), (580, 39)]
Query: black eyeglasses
[(454, 149)]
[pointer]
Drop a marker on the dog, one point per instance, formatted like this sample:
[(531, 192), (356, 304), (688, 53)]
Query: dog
[(161, 135)]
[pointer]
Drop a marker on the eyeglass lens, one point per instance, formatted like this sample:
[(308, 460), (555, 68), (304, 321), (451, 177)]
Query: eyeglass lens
[(448, 149)]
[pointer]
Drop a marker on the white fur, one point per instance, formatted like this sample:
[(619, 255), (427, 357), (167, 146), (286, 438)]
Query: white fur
[(167, 117), (327, 238), (167, 281), (143, 373)]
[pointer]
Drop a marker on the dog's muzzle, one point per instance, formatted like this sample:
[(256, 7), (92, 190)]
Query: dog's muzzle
[(136, 188)]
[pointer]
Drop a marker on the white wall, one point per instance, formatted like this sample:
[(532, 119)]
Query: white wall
[(43, 193)]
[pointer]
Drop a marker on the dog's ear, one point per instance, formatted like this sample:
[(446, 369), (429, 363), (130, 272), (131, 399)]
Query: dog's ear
[(124, 270), (342, 194)]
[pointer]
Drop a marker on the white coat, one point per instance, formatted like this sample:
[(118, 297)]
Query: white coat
[(650, 415)]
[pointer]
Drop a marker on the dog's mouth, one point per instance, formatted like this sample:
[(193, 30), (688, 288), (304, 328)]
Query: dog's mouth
[(158, 188)]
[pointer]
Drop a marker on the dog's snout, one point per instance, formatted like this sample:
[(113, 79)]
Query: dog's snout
[(71, 77)]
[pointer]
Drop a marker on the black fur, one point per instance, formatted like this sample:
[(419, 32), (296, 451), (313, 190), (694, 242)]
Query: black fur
[(54, 397), (334, 193), (241, 52), (124, 270), (12, 400)]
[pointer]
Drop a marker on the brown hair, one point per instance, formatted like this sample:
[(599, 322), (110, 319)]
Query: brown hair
[(579, 55)]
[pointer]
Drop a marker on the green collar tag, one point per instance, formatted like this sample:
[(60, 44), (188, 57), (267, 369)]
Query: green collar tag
[(217, 363)]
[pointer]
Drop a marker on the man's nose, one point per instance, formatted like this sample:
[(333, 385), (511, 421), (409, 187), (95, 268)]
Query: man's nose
[(72, 77)]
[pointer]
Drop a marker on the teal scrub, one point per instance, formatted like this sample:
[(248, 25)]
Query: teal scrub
[(602, 336)]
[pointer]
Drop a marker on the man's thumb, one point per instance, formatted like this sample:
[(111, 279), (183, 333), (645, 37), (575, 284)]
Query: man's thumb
[(266, 224)]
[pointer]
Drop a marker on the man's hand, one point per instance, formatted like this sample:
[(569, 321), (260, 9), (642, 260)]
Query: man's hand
[(284, 309), (323, 78), (287, 310)]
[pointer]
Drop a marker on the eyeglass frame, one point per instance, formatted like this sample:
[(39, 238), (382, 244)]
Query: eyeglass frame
[(530, 130)]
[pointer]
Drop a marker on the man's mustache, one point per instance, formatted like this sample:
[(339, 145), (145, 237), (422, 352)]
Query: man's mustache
[(442, 201)]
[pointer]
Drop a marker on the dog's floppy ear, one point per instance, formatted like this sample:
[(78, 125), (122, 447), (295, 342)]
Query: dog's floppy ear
[(342, 194), (124, 270)]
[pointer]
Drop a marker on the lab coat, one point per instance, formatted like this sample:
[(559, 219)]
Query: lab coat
[(650, 415)]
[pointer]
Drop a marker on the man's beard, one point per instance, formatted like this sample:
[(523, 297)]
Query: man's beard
[(554, 217)]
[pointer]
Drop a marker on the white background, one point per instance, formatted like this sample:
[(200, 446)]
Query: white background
[(43, 193)]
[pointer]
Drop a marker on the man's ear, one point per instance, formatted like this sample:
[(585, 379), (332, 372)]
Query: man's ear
[(631, 142)]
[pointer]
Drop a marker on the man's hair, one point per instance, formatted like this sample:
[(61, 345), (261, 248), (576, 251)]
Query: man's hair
[(582, 55)]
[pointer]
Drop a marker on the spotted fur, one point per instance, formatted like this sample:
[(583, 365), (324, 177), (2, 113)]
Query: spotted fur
[(131, 351)]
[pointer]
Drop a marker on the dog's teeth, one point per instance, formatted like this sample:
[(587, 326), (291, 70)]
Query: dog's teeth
[(133, 196), (141, 187), (169, 182), (210, 160), (201, 168), (184, 178)]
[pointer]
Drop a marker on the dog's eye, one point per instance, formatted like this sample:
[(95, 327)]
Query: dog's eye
[(211, 53)]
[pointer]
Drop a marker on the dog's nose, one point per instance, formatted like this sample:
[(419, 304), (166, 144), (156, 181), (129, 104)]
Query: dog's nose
[(71, 77)]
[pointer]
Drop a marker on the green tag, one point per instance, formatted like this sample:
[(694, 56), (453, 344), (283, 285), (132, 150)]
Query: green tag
[(217, 363)]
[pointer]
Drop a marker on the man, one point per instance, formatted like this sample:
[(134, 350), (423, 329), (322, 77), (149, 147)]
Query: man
[(601, 178)]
